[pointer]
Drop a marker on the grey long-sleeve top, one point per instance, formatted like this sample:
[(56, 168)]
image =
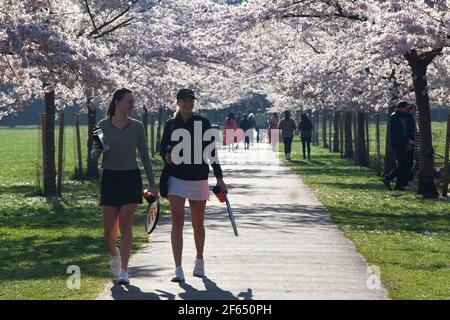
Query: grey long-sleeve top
[(122, 148)]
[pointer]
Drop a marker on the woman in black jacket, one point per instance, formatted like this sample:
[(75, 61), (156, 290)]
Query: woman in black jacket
[(188, 176), (305, 127)]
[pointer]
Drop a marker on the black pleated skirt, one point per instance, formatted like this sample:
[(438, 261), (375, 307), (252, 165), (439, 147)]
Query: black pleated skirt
[(120, 187)]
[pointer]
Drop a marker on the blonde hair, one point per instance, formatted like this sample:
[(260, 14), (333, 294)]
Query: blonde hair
[(177, 110)]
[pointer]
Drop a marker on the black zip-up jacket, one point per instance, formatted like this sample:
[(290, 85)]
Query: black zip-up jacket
[(245, 124), (398, 129), (188, 171)]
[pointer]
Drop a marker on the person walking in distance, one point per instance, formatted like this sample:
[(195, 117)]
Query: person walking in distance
[(121, 182), (188, 179), (400, 143), (245, 126), (305, 127), (251, 120), (287, 127), (260, 122), (273, 125), (229, 134)]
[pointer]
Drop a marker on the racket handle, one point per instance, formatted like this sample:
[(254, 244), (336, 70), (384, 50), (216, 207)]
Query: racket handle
[(219, 193)]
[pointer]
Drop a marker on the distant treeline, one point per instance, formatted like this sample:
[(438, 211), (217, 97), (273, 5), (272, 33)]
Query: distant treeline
[(30, 115)]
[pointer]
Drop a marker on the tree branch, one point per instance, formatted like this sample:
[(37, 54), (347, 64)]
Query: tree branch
[(120, 25), (91, 16), (311, 46), (338, 14), (115, 18)]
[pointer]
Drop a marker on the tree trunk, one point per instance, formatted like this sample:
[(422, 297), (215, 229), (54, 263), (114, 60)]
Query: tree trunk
[(348, 152), (152, 133), (366, 122), (337, 117), (355, 137), (389, 157), (446, 161), (79, 171), (341, 133), (145, 121), (324, 130), (361, 150), (49, 145), (378, 148), (60, 154), (40, 174), (330, 129), (92, 169), (316, 136), (427, 188), (158, 131)]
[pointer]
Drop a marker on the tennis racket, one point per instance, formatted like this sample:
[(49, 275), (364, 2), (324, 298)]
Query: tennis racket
[(222, 196), (152, 212), (231, 216)]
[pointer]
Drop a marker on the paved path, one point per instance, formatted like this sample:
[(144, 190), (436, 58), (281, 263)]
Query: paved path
[(288, 247)]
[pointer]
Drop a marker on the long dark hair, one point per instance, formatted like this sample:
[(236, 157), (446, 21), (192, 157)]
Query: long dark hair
[(117, 96), (306, 121)]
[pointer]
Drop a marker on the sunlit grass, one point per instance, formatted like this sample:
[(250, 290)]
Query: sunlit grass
[(40, 237), (408, 238)]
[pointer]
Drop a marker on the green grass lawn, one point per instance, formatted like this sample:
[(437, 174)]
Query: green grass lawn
[(408, 238), (40, 237)]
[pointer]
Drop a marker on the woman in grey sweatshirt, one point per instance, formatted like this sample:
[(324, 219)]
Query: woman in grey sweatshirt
[(121, 182)]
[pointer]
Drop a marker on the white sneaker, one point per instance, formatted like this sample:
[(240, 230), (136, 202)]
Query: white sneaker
[(114, 263), (199, 269), (123, 277), (179, 275)]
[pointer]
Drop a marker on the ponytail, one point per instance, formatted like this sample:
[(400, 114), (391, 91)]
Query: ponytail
[(177, 110), (117, 96)]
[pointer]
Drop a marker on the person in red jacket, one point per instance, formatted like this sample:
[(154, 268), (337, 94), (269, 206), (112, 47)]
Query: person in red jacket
[(230, 127)]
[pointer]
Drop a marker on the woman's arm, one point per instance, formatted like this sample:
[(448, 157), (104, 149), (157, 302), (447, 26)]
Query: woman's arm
[(213, 159), (145, 159)]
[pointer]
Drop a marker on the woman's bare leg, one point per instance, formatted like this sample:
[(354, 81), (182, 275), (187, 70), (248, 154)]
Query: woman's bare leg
[(126, 218), (111, 227), (177, 211), (198, 218)]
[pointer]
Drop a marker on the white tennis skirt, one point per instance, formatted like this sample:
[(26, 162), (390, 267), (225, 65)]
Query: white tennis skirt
[(189, 189)]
